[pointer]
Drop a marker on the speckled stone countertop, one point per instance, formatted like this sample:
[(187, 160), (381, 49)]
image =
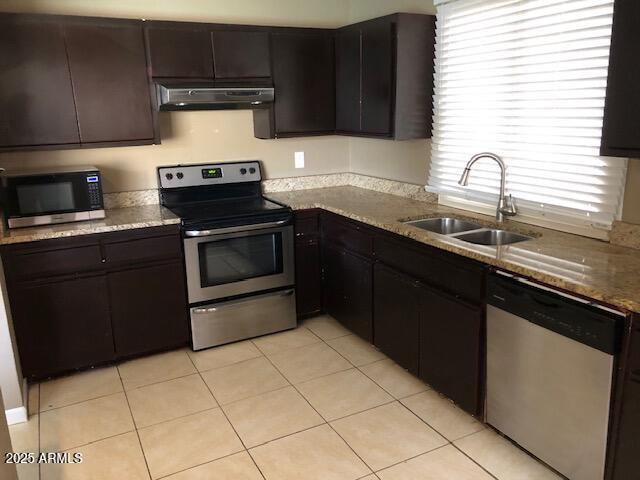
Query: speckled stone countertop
[(116, 219), (585, 266)]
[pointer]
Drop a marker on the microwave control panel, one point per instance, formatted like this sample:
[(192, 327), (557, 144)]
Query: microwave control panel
[(93, 187)]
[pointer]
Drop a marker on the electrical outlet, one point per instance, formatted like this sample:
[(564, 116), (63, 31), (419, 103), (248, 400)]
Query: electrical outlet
[(299, 159)]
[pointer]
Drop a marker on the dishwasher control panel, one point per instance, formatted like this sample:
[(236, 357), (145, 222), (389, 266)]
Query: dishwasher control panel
[(572, 318)]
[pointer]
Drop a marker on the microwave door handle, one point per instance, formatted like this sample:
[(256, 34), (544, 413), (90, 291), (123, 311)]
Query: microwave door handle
[(240, 228)]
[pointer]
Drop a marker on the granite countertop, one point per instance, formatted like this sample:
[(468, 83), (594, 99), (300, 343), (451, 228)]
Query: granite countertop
[(585, 266), (116, 219)]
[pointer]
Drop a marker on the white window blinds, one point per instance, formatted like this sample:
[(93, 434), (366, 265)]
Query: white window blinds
[(526, 80)]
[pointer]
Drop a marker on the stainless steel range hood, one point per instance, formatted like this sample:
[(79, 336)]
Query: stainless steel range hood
[(208, 97)]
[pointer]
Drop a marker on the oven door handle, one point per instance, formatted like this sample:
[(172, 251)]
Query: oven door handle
[(239, 228), (203, 310)]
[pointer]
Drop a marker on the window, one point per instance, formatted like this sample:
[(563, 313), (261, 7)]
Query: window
[(526, 80)]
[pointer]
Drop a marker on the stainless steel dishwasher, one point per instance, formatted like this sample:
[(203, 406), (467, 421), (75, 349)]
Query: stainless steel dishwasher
[(550, 361)]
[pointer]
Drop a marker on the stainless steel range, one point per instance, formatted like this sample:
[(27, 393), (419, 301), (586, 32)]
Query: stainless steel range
[(238, 249)]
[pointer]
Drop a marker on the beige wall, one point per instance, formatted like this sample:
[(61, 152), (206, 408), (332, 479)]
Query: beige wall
[(196, 137), (631, 207), (305, 13)]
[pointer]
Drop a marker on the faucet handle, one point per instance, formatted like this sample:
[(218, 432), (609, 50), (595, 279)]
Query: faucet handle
[(509, 206)]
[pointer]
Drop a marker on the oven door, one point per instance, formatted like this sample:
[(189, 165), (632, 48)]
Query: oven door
[(238, 260)]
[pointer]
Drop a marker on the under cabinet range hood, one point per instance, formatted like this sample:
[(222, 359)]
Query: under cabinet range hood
[(208, 97)]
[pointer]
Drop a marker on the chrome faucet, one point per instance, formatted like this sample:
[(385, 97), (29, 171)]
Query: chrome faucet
[(506, 205)]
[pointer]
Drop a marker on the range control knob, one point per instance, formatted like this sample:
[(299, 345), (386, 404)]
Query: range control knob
[(243, 171), (169, 176), (252, 170), (180, 175)]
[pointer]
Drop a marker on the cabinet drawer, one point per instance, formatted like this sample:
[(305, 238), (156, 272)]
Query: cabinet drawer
[(458, 276), (143, 249), (347, 234), (53, 262)]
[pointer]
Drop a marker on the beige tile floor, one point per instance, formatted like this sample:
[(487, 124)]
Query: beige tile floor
[(311, 403)]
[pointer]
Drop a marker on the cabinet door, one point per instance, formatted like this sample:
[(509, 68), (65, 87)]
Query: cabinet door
[(180, 52), (621, 117), (377, 61), (308, 276), (348, 99), (450, 348), (396, 316), (357, 277), (304, 82), (240, 54), (333, 282), (62, 326), (109, 75), (36, 99), (149, 309)]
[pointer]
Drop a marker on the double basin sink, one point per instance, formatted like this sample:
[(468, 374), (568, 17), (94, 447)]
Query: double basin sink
[(469, 231)]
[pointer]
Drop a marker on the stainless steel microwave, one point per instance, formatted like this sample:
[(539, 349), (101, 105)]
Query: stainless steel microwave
[(43, 197)]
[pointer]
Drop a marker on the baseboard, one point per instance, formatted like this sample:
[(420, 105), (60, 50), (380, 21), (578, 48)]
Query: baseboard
[(16, 415)]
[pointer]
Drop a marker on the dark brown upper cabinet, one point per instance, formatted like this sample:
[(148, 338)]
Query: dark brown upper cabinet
[(109, 76), (348, 80), (36, 98), (179, 50), (384, 77), (304, 82), (241, 55), (208, 51), (72, 82), (622, 107)]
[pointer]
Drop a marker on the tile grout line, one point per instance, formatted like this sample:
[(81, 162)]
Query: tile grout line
[(399, 400), (227, 418), (473, 460), (327, 423), (135, 426)]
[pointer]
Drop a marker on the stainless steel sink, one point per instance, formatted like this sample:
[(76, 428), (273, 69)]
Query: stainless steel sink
[(444, 226), (492, 237)]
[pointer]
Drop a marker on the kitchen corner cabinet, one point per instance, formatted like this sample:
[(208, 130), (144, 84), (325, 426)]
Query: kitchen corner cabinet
[(304, 83), (384, 77), (421, 306), (308, 267), (622, 106), (73, 82), (83, 301)]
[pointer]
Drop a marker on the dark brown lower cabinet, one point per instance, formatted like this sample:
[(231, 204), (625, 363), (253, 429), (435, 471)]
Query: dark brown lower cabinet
[(347, 287), (62, 325), (396, 299), (308, 277), (83, 301), (627, 460), (148, 309), (450, 348)]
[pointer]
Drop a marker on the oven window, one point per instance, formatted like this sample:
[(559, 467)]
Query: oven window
[(45, 198), (240, 258)]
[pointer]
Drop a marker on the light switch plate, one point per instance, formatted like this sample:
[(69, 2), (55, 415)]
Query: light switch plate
[(299, 159)]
